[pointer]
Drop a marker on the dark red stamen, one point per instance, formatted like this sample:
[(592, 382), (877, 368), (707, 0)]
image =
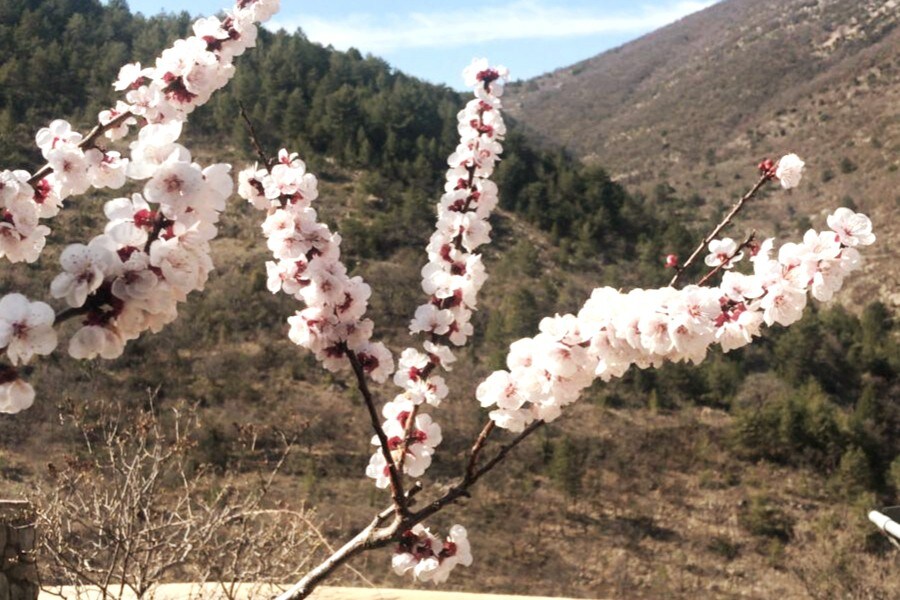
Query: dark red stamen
[(41, 191), (126, 252)]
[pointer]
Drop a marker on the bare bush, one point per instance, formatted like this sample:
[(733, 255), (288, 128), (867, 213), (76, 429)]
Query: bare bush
[(134, 508)]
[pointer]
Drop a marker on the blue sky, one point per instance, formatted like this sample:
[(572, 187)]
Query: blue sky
[(435, 40)]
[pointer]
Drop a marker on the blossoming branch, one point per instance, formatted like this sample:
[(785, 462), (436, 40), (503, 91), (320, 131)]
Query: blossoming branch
[(155, 249)]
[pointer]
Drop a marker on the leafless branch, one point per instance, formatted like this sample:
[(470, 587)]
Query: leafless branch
[(133, 509), (254, 139), (718, 229), (373, 537), (397, 495)]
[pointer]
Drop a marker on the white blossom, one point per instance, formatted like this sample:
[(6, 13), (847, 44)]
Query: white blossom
[(16, 396), (614, 331), (723, 253), (26, 328), (789, 171), (853, 229), (84, 269)]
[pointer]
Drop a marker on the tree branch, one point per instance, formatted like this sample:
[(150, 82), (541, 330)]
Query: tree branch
[(477, 448), (715, 232), (369, 538), (372, 538), (461, 490), (407, 431), (86, 144), (254, 139), (363, 385)]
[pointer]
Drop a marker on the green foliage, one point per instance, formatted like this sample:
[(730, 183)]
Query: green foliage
[(762, 517), (58, 59), (894, 474), (833, 407), (566, 467), (517, 316), (581, 206), (854, 474), (795, 427)]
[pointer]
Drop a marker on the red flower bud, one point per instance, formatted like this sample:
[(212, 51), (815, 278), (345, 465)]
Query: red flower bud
[(767, 167)]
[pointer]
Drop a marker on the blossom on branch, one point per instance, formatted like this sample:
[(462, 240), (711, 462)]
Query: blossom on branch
[(16, 395), (26, 328), (427, 558), (723, 253), (615, 330), (454, 274), (159, 98), (22, 238), (155, 248), (789, 171), (308, 266), (852, 229)]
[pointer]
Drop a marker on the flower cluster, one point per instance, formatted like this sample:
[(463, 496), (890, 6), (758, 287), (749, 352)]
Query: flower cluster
[(155, 249), (453, 276), (613, 330), (183, 78), (24, 201), (308, 266), (22, 238), (454, 273), (423, 554), (186, 75), (412, 439), (154, 252)]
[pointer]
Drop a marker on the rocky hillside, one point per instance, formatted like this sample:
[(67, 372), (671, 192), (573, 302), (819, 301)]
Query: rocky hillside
[(696, 104)]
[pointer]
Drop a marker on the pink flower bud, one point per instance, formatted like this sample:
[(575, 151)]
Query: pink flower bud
[(671, 261)]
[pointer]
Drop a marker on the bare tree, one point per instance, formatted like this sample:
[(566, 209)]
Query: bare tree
[(134, 508)]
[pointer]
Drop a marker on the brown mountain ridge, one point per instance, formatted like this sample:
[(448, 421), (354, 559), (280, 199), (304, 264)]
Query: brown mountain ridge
[(696, 104)]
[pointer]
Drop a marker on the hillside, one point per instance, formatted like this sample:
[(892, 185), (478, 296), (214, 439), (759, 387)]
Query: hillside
[(696, 104), (747, 477)]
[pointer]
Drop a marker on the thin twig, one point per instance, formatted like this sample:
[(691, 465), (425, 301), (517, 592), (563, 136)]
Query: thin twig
[(477, 448), (715, 232), (462, 489), (407, 431), (396, 484), (254, 139), (158, 227), (369, 538), (411, 420), (86, 144)]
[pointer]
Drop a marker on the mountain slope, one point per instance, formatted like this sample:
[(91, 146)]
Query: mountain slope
[(697, 103), (720, 480)]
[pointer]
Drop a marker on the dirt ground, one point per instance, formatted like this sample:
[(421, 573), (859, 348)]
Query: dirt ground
[(192, 592)]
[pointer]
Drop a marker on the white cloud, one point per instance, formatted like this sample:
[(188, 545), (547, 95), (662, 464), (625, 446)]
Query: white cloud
[(518, 20)]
